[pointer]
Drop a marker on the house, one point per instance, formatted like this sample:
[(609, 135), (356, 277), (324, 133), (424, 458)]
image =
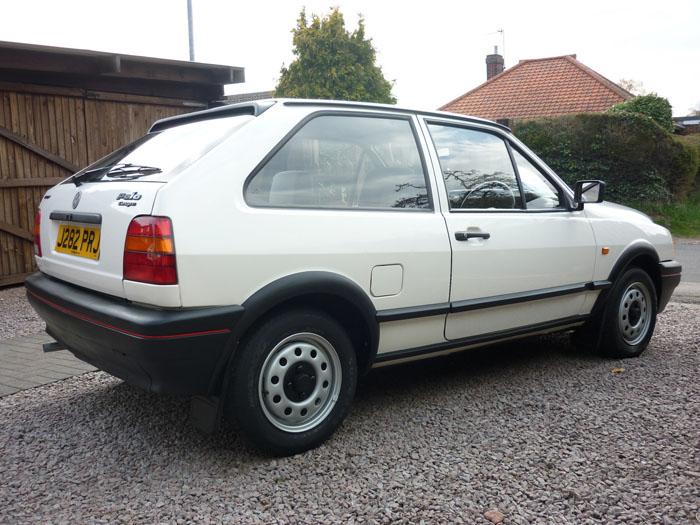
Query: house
[(62, 109), (247, 97), (687, 125), (542, 87)]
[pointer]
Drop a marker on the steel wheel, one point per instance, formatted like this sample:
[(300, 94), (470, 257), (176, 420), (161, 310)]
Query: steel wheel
[(634, 313), (292, 381), (299, 382), (630, 315)]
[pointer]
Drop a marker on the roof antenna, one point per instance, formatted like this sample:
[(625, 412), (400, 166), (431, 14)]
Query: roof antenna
[(503, 42)]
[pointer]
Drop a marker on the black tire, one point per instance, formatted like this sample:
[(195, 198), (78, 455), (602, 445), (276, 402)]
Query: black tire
[(630, 315), (293, 381)]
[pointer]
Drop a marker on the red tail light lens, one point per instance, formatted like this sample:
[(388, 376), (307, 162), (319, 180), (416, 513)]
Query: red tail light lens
[(149, 251), (37, 233)]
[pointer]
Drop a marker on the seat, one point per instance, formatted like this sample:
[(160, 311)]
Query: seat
[(291, 188), (392, 188)]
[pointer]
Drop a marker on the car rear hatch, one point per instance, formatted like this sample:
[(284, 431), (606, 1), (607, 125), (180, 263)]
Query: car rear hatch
[(84, 220)]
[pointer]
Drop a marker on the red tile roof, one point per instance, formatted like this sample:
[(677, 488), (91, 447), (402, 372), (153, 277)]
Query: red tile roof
[(542, 87)]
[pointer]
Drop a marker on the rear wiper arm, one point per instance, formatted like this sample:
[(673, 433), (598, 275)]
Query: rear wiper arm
[(120, 171), (128, 170), (82, 177)]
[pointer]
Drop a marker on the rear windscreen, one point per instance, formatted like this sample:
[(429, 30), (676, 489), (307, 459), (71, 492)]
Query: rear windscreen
[(164, 153)]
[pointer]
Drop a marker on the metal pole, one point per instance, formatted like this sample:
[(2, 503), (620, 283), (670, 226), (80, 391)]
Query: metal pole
[(189, 25), (503, 35)]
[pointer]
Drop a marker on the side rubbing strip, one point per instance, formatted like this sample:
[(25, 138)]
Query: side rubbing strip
[(515, 298), (400, 314)]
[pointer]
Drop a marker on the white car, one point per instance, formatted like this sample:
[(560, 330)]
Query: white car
[(260, 256)]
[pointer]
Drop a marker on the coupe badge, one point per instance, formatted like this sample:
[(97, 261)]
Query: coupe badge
[(76, 199), (128, 199)]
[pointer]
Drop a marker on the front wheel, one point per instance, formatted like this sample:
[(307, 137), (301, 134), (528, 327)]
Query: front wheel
[(630, 315), (293, 382)]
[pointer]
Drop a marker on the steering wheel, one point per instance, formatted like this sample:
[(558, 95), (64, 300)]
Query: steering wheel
[(487, 183)]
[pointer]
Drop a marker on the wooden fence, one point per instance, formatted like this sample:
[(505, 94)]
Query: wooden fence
[(46, 134)]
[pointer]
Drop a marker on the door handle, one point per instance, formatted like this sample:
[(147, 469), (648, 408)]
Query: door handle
[(465, 236)]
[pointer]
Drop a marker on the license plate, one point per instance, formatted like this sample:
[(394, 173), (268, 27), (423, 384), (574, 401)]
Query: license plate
[(79, 240)]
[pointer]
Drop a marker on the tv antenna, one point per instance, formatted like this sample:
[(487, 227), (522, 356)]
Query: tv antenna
[(503, 42)]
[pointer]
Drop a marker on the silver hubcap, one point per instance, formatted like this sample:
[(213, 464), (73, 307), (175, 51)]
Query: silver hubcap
[(634, 314), (299, 382)]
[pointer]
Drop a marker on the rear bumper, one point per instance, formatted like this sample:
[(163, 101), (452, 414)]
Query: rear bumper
[(161, 350), (670, 274)]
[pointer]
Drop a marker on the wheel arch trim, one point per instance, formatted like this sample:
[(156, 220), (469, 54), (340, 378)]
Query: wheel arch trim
[(633, 252), (296, 287), (636, 250)]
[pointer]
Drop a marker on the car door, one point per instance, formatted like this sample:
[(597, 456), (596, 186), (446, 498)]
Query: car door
[(521, 259), (348, 192)]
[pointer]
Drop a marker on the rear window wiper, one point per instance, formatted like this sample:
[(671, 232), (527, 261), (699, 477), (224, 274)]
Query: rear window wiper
[(121, 171), (116, 171)]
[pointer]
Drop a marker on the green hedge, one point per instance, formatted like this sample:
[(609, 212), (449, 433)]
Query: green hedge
[(694, 142), (638, 160), (652, 105)]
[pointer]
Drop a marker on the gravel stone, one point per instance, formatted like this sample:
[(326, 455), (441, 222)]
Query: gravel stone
[(536, 429), (17, 316), (494, 516)]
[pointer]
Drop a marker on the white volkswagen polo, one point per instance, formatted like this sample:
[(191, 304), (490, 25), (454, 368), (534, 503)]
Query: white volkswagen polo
[(259, 257)]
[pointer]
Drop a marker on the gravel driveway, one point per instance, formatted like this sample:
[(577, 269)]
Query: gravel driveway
[(17, 317), (536, 430)]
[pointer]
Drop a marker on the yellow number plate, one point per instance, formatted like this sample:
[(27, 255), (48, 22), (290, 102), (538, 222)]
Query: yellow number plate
[(78, 240)]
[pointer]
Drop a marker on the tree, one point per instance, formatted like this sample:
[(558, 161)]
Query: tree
[(651, 105), (332, 63), (695, 112), (636, 87)]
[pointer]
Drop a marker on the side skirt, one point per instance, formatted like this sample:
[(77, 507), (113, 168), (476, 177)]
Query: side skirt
[(477, 340)]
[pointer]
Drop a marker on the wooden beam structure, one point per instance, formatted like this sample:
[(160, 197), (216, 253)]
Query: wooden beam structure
[(17, 232), (18, 139), (115, 72), (13, 279), (34, 182)]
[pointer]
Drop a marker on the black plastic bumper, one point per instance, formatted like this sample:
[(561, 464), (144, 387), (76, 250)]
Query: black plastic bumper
[(670, 273), (162, 350)]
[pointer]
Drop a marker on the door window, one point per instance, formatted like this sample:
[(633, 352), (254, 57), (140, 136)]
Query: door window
[(343, 161), (476, 168), (539, 192)]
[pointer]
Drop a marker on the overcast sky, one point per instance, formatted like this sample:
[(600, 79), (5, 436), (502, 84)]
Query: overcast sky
[(433, 50)]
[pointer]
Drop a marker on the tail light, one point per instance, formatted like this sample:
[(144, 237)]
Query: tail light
[(149, 251), (37, 233)]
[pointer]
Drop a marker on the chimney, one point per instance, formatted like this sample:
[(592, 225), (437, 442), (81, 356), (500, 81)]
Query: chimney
[(494, 64)]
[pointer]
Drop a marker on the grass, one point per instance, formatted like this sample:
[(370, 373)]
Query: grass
[(682, 217)]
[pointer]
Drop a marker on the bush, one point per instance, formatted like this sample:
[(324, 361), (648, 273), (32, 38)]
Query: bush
[(653, 106), (638, 160), (694, 142)]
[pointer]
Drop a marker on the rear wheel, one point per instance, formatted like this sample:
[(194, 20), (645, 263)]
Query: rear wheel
[(293, 382), (630, 315)]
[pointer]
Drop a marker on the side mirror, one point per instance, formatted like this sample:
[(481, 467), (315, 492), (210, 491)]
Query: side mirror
[(588, 191)]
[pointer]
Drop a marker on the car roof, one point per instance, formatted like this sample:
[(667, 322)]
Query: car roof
[(258, 107)]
